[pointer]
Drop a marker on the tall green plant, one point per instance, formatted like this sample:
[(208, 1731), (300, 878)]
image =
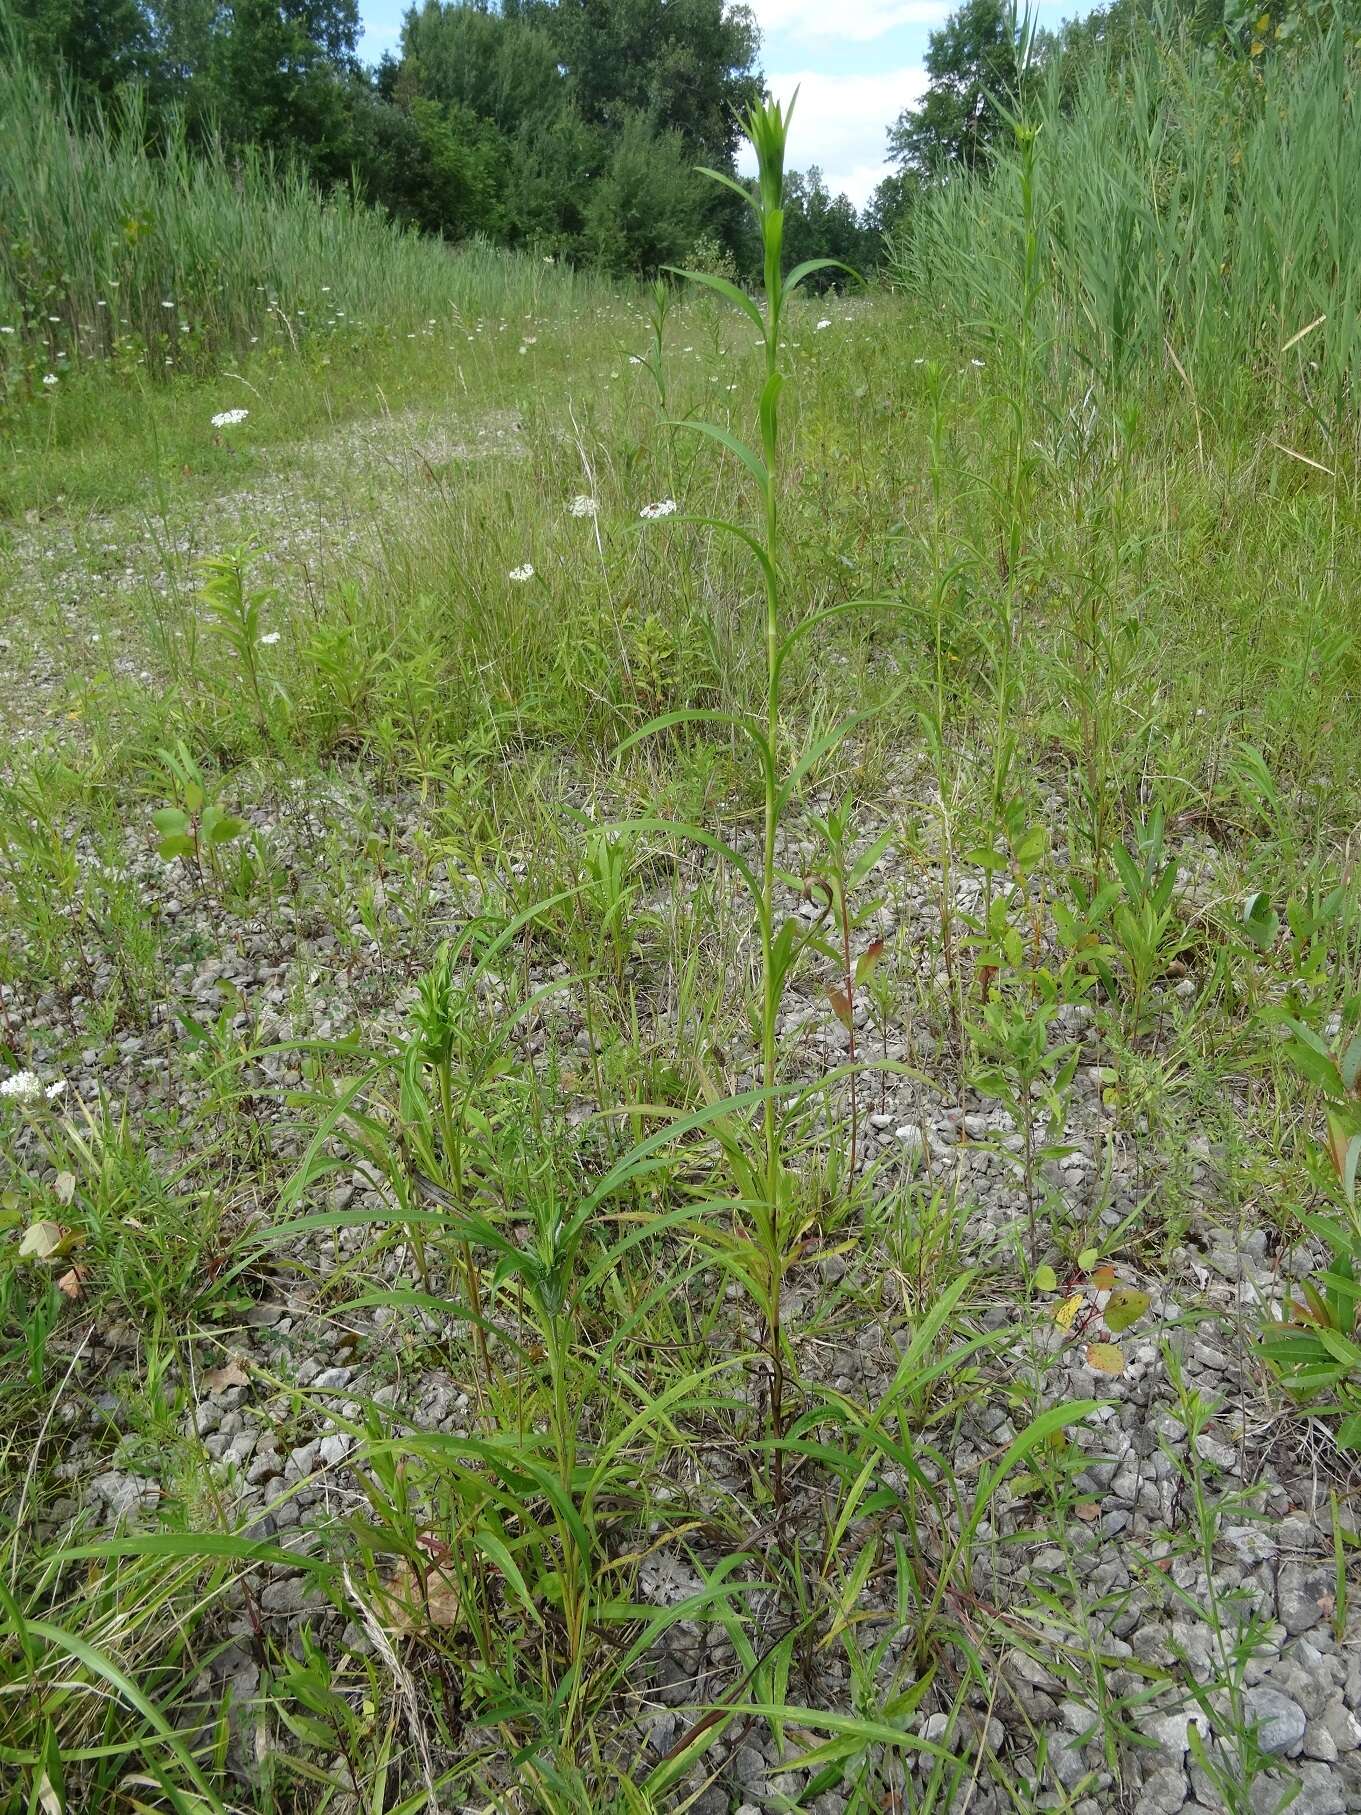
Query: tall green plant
[(762, 1255)]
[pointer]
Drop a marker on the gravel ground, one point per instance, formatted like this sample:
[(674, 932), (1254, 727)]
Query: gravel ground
[(1202, 1620)]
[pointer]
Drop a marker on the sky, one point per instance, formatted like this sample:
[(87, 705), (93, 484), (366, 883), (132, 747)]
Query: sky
[(856, 63)]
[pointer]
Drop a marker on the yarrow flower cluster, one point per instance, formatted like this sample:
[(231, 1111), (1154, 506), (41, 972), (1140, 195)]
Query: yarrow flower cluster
[(50, 378), (824, 323), (521, 573), (27, 1087), (228, 419), (664, 507), (270, 638), (582, 506)]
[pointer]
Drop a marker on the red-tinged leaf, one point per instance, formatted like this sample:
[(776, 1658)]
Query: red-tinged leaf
[(1104, 1278), (867, 960), (841, 1004)]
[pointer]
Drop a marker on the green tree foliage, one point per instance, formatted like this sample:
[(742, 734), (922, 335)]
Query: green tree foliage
[(571, 125), (818, 224), (97, 45), (973, 64), (644, 210), (274, 76)]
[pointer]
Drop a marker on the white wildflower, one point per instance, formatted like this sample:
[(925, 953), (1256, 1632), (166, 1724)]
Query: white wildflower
[(22, 1086), (270, 639), (6, 330), (977, 362), (56, 1090), (582, 506), (664, 507), (50, 378), (634, 360), (521, 573), (228, 419), (824, 323)]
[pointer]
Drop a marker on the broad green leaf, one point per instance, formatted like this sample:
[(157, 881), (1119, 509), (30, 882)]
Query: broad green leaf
[(1125, 1307)]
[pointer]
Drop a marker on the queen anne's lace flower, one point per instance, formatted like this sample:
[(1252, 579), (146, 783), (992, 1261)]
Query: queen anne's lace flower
[(664, 507), (228, 419), (27, 1087), (582, 506), (270, 638), (521, 573), (824, 323), (50, 378)]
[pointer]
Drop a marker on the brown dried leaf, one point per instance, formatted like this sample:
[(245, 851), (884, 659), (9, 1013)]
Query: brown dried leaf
[(410, 1610), (41, 1241), (217, 1380), (71, 1282), (64, 1187), (867, 960), (841, 1005)]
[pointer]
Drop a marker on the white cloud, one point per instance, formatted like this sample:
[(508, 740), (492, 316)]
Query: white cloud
[(859, 20), (841, 124)]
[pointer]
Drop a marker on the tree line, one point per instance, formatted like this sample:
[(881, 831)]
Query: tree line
[(571, 126)]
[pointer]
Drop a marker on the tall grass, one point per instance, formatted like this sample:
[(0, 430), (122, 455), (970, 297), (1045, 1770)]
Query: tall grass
[(181, 256), (1196, 212)]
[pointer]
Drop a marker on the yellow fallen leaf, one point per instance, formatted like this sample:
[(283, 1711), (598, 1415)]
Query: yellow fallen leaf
[(1105, 1357), (1067, 1311)]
